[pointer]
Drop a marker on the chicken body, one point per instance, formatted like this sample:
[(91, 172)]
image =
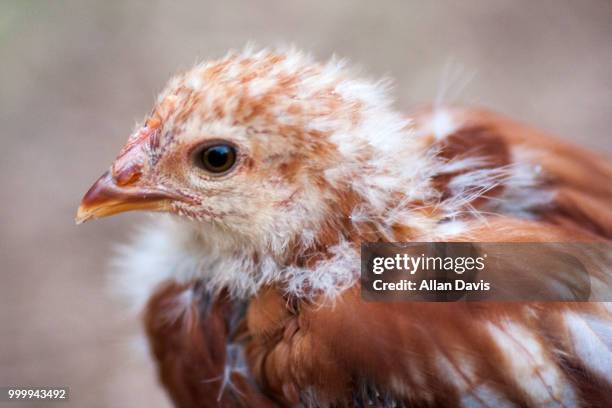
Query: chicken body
[(251, 286)]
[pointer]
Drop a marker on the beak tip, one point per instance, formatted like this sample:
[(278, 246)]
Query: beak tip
[(82, 216)]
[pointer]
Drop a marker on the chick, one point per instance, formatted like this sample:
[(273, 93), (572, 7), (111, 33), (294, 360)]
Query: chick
[(272, 169)]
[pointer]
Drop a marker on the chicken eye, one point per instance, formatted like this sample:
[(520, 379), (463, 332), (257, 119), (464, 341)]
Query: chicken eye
[(218, 158)]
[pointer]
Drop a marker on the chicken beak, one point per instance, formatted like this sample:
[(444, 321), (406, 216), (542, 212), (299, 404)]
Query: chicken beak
[(106, 198)]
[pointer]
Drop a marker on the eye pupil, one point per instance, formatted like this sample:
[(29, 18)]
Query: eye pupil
[(218, 158)]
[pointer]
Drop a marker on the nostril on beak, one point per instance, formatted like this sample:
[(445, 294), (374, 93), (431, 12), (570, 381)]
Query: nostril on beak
[(127, 175)]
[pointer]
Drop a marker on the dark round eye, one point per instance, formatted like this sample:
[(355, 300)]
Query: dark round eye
[(218, 158)]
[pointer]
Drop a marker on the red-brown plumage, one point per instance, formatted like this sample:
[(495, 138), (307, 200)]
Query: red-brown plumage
[(190, 348)]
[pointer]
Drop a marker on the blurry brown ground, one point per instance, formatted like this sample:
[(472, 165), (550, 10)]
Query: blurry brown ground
[(76, 75)]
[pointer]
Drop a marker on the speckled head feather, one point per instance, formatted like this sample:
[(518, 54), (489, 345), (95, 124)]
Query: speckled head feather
[(305, 132)]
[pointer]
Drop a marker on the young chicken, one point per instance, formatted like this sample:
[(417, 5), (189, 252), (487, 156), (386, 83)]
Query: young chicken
[(273, 169)]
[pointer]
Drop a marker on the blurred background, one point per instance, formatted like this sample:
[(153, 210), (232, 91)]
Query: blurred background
[(76, 75)]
